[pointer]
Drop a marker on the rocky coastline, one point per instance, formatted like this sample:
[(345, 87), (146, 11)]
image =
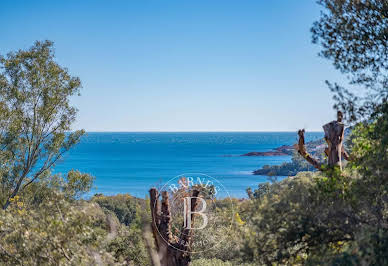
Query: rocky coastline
[(297, 164), (279, 151)]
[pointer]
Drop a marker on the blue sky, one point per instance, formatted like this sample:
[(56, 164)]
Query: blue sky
[(183, 65)]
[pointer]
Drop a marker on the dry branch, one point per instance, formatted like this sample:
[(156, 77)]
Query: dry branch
[(302, 151)]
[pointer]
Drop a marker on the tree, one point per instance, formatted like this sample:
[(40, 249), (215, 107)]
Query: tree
[(353, 34), (338, 217), (35, 116)]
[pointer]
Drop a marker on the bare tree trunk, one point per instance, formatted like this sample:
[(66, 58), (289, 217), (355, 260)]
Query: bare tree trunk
[(172, 252), (334, 136)]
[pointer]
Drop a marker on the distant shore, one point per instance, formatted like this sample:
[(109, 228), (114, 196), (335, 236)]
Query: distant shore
[(283, 150)]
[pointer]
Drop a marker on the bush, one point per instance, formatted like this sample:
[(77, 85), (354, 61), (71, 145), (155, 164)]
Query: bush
[(122, 205), (55, 233)]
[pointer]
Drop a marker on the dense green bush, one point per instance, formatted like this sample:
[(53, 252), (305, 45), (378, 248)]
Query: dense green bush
[(124, 206), (49, 225), (55, 233)]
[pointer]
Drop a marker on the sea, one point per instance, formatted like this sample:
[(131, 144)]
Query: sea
[(133, 162)]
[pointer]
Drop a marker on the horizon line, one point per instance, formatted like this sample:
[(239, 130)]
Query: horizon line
[(202, 131)]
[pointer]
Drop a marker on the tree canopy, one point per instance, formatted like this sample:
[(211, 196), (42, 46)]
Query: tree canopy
[(35, 116), (353, 34)]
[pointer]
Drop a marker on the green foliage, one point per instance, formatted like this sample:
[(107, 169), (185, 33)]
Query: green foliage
[(353, 35), (297, 164), (331, 218), (217, 262), (335, 218), (280, 223), (124, 206), (127, 243), (53, 233), (49, 225), (262, 190), (369, 248), (35, 116), (72, 187), (128, 247), (210, 262), (44, 221), (77, 184)]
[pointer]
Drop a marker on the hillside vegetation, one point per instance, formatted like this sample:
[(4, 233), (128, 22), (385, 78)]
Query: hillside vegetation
[(331, 217)]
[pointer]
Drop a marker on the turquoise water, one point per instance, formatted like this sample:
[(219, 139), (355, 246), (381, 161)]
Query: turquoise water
[(134, 162)]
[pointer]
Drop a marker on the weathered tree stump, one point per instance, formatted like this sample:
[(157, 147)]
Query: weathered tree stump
[(334, 136), (171, 251)]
